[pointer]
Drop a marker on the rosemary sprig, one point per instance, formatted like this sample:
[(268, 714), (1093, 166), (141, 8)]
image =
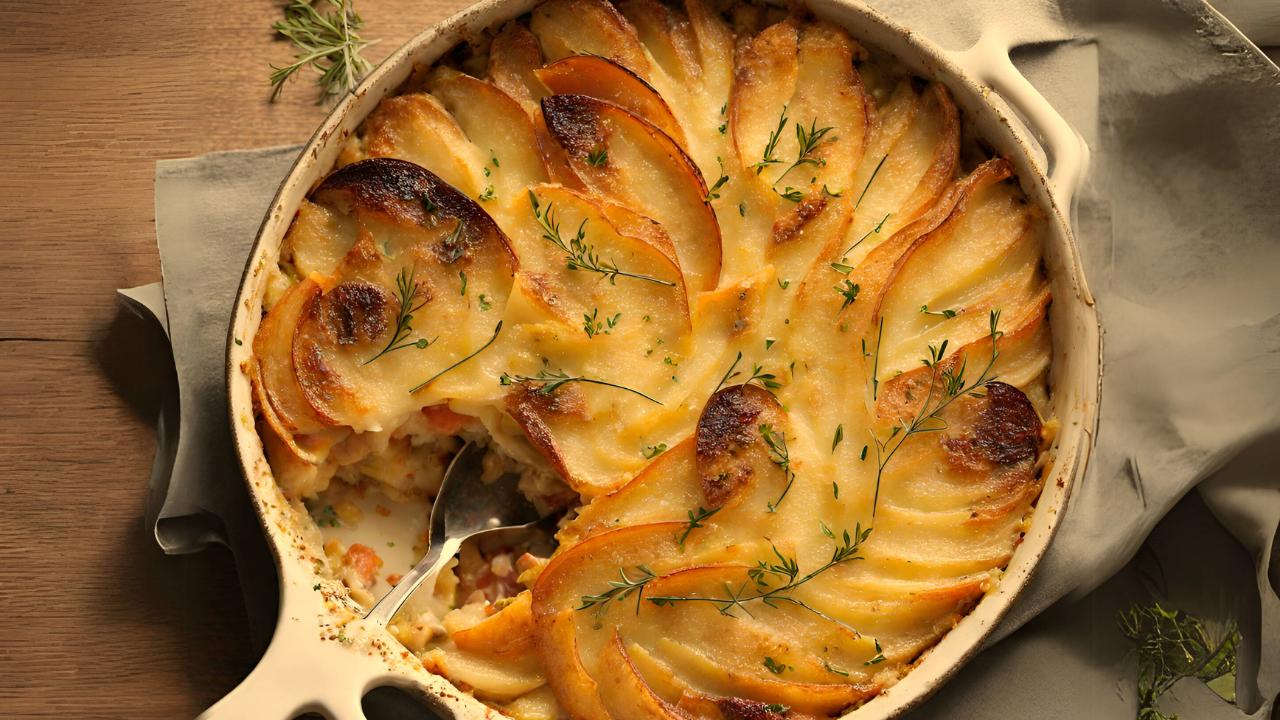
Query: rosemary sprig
[(945, 385), (771, 145), (779, 455), (579, 254), (552, 381), (772, 582), (327, 42), (406, 292), (497, 329), (1171, 645), (619, 590), (695, 521)]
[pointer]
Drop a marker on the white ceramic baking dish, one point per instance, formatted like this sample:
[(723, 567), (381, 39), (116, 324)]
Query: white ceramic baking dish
[(999, 106)]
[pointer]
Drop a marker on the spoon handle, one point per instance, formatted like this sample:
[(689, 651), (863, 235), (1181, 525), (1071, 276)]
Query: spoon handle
[(426, 569)]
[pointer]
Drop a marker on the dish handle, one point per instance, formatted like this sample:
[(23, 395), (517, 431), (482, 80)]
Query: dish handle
[(1067, 155)]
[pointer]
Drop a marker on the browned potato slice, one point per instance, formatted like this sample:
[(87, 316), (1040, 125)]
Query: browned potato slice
[(665, 32), (514, 56), (498, 127), (279, 396), (419, 129), (588, 27), (604, 79), (624, 691), (627, 159), (506, 633), (416, 234)]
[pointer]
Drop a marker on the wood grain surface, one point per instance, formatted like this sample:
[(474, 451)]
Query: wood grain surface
[(96, 622)]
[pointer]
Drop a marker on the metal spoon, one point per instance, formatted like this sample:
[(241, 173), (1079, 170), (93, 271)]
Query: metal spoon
[(464, 508), (302, 671)]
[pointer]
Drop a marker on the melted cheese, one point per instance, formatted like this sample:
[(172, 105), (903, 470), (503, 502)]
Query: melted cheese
[(733, 262)]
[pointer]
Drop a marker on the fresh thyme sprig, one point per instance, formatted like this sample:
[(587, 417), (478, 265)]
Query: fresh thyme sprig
[(497, 329), (598, 157), (619, 590), (945, 385), (406, 291), (771, 145), (579, 254), (1171, 645), (779, 455), (773, 581), (808, 140), (695, 521), (552, 381), (327, 42), (766, 380), (714, 192)]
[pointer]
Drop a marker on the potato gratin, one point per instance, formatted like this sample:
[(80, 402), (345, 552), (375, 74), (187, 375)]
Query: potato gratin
[(734, 295)]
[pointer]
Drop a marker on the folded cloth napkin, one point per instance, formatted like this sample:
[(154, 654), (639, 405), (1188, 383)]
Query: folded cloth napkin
[(1178, 227)]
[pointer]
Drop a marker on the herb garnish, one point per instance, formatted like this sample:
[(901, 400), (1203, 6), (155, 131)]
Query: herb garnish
[(779, 455), (809, 140), (695, 521), (870, 180), (619, 590), (1172, 645), (652, 451), (768, 381), (406, 292), (497, 329), (326, 42), (848, 290), (946, 314), (839, 437), (873, 231), (714, 192), (776, 667), (579, 254), (598, 157), (772, 144), (879, 657), (552, 381), (945, 385), (592, 327), (785, 571), (487, 195)]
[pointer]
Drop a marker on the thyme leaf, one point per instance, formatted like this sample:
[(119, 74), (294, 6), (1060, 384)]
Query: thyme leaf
[(497, 329), (695, 521)]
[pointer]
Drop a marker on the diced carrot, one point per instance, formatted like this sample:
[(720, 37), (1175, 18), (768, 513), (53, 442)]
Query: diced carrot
[(364, 560), (394, 578), (445, 421), (382, 510)]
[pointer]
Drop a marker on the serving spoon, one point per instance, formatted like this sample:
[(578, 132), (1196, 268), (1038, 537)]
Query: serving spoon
[(305, 671)]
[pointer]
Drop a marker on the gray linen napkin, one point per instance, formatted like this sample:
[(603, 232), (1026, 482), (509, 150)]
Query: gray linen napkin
[(1178, 225)]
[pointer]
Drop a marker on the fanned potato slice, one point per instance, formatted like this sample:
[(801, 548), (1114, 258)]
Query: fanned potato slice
[(514, 56), (631, 161), (355, 358), (495, 681), (284, 405), (588, 27), (498, 128), (604, 79), (318, 239), (419, 129), (507, 633), (624, 691), (799, 113), (912, 154)]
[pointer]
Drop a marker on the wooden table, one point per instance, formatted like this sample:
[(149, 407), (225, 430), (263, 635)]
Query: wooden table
[(96, 621)]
